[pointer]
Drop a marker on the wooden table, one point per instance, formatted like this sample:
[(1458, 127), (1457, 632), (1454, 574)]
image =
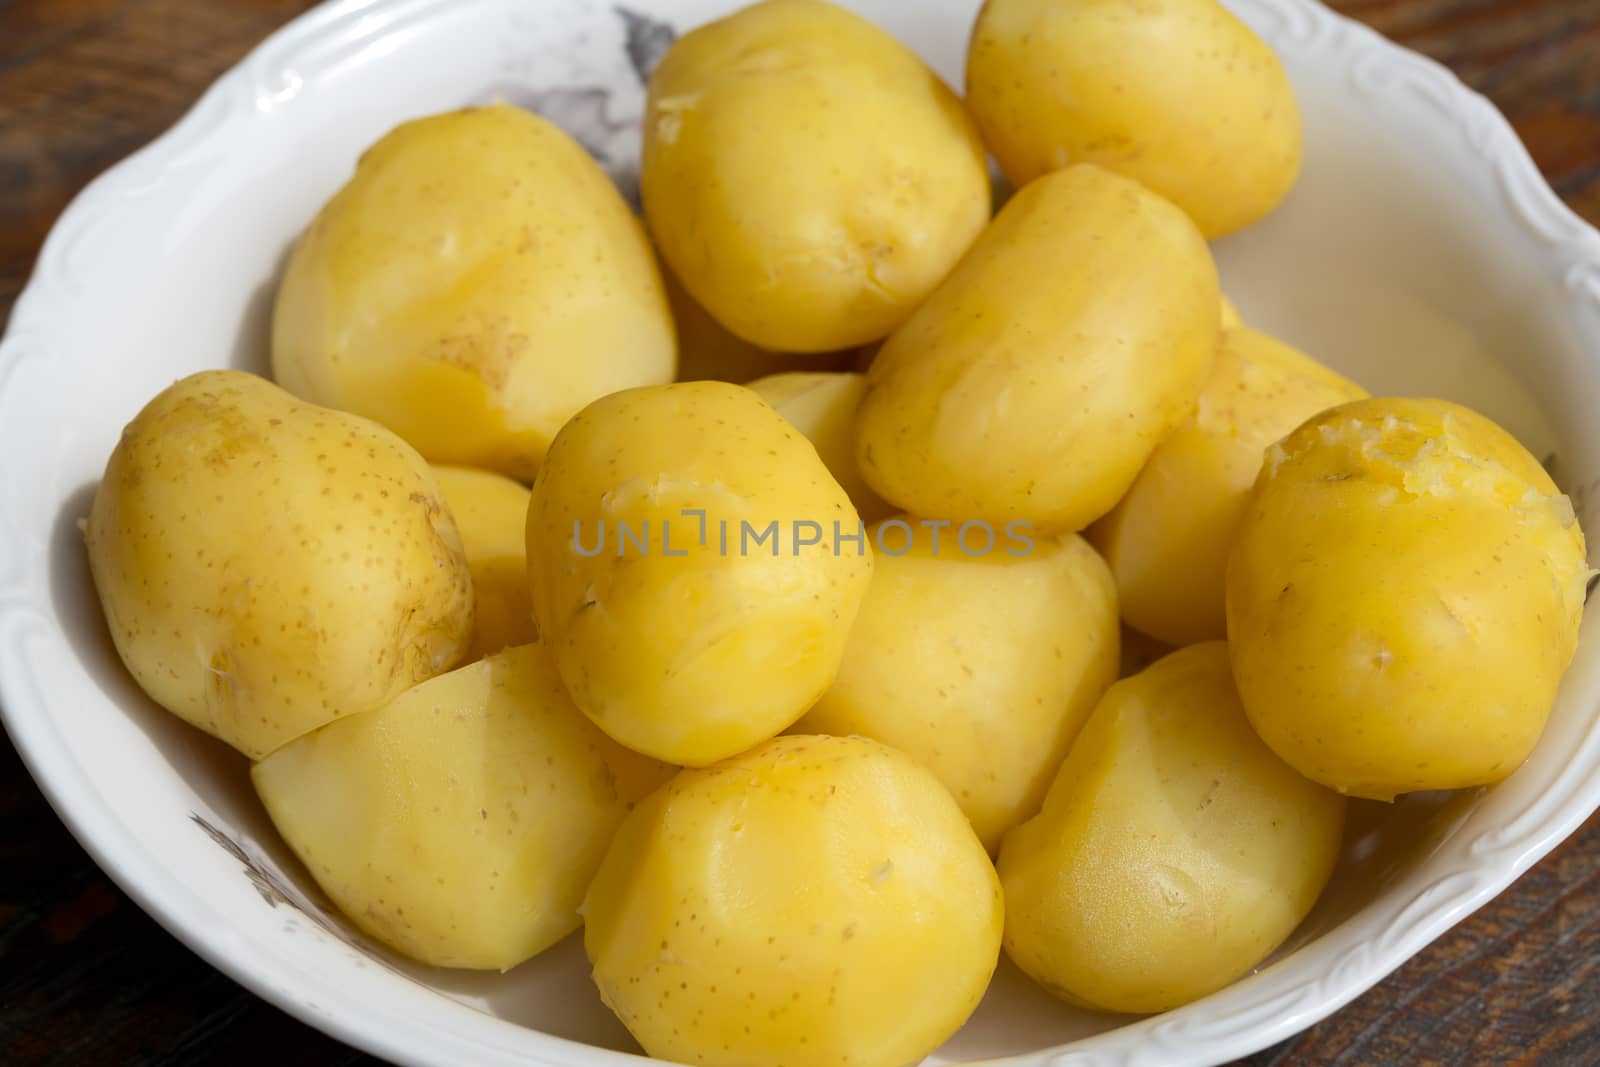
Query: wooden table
[(86, 977)]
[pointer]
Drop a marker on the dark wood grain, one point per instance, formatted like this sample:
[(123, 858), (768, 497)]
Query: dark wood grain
[(86, 977), (1538, 60)]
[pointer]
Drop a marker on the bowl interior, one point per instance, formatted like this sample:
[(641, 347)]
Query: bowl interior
[(1405, 257)]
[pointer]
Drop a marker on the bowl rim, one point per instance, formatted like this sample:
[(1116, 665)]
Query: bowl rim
[(1323, 983)]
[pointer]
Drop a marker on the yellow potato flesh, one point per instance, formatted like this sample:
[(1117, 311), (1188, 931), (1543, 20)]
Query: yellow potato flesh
[(670, 575), (1038, 378), (1231, 319), (815, 901), (266, 565), (863, 357), (806, 176), (1403, 597), (1174, 851), (1139, 650), (475, 283), (981, 667), (822, 405), (707, 352), (1167, 540), (459, 824), (491, 511), (1179, 95)]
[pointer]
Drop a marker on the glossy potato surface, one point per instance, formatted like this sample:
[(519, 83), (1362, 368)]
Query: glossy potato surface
[(982, 667), (1168, 538), (689, 569), (491, 512), (1403, 596), (460, 823), (815, 901), (1179, 95), (1174, 851), (1042, 373), (477, 281), (806, 175), (707, 352), (822, 405)]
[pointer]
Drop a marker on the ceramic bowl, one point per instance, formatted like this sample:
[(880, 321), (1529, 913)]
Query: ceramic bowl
[(1421, 252)]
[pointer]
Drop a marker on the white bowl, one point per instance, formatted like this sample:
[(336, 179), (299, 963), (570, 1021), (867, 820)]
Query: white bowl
[(1421, 252)]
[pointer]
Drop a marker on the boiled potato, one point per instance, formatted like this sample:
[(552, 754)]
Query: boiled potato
[(1174, 852), (822, 405), (707, 352), (266, 566), (806, 176), (1403, 597), (1177, 94), (460, 823), (1038, 378), (1139, 650), (981, 665), (813, 902), (475, 283), (1168, 539), (864, 356), (491, 511), (1231, 319), (695, 568)]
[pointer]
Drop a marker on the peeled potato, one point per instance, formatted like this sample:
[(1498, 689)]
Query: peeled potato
[(982, 667), (695, 568), (1403, 596), (822, 405), (460, 823), (266, 565), (475, 283), (1174, 851), (707, 352), (1179, 95), (1231, 319), (812, 902), (807, 177), (1042, 373), (1167, 540), (491, 511), (863, 357)]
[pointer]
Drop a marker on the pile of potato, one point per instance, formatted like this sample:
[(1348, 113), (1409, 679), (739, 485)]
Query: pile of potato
[(802, 697)]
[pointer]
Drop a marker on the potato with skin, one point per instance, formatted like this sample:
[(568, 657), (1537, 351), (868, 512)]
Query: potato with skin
[(822, 405), (491, 512), (1174, 851), (1042, 373), (1403, 596), (807, 177), (475, 283), (695, 568), (1179, 95), (812, 902), (460, 823), (981, 667), (1168, 539), (266, 566)]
